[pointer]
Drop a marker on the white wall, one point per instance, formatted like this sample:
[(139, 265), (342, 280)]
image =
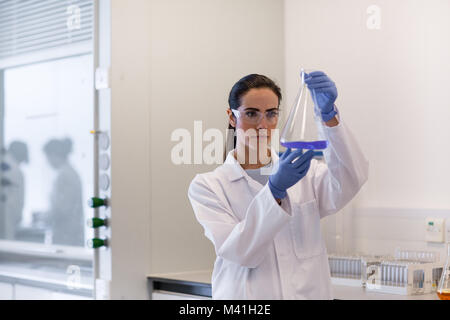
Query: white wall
[(199, 49), (130, 148), (393, 93), (174, 62)]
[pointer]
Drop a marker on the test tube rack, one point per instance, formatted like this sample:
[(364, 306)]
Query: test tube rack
[(407, 273), (346, 270), (405, 277)]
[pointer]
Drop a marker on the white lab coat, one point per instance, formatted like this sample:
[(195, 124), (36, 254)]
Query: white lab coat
[(268, 251)]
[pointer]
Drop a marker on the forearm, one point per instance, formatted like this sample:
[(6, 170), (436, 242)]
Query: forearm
[(332, 123), (345, 171)]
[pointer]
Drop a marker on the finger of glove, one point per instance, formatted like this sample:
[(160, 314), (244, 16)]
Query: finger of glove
[(304, 159), (325, 90), (304, 167), (323, 84), (293, 155), (316, 74), (286, 153), (311, 80)]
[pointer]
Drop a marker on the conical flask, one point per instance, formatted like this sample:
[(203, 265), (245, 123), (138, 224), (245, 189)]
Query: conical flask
[(301, 128), (443, 290)]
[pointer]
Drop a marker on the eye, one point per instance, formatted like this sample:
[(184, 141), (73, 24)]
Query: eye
[(272, 114), (251, 114)]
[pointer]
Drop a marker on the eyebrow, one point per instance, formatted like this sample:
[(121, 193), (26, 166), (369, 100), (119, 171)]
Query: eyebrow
[(271, 109)]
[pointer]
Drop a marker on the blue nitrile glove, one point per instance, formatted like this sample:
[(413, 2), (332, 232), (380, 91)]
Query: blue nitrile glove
[(289, 173), (325, 91)]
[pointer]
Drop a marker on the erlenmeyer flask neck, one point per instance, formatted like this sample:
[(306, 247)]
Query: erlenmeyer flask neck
[(301, 130)]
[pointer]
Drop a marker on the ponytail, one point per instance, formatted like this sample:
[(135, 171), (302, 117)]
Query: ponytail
[(230, 142)]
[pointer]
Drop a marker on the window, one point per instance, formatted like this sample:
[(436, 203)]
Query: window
[(47, 151)]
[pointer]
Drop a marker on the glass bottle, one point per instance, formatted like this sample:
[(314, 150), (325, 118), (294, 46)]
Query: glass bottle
[(443, 290), (301, 129)]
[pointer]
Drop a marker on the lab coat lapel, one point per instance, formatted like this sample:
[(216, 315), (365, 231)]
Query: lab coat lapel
[(236, 172)]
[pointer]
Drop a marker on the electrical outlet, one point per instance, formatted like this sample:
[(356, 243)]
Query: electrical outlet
[(435, 230)]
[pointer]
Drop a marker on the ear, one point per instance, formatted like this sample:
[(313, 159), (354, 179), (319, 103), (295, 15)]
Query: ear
[(231, 118)]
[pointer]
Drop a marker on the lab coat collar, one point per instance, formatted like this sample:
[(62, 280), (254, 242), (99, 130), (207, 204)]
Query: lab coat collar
[(234, 171)]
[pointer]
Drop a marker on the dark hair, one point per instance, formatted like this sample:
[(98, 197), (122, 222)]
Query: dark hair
[(240, 88), (58, 147)]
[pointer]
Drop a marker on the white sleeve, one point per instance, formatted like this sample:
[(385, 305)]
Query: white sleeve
[(243, 242), (345, 171)]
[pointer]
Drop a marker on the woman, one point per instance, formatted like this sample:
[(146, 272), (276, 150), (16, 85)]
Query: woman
[(65, 215), (266, 228)]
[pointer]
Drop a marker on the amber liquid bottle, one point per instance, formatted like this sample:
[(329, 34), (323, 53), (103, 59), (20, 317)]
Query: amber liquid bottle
[(443, 290)]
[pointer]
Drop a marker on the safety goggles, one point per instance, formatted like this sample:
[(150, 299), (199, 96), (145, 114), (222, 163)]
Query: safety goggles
[(254, 116)]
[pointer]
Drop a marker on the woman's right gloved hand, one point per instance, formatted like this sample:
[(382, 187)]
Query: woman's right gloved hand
[(289, 172)]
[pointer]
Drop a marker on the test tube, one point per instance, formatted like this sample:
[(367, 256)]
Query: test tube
[(338, 267), (388, 272), (330, 263), (360, 271), (392, 269), (349, 271), (354, 268), (332, 266), (395, 274), (359, 265), (345, 267), (392, 274), (350, 268), (405, 275)]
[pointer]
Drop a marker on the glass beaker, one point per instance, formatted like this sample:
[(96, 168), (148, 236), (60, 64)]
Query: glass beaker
[(301, 128), (443, 290)]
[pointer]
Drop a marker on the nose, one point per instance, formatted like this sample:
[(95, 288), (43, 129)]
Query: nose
[(263, 123)]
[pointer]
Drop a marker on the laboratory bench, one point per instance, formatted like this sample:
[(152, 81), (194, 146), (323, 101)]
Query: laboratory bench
[(193, 285)]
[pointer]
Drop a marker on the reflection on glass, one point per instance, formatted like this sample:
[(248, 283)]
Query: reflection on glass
[(46, 171), (12, 196), (46, 149), (65, 215)]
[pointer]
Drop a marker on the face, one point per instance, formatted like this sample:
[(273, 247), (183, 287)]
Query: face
[(263, 100)]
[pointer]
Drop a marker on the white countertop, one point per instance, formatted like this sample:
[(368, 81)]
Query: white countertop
[(340, 292)]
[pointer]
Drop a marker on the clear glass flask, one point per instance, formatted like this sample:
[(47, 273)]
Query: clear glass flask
[(443, 290), (301, 129)]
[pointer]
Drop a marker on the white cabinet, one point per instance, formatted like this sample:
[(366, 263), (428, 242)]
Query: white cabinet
[(6, 291), (165, 295), (30, 293)]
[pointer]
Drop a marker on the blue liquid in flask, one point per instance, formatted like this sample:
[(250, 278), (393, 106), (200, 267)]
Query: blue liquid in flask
[(310, 145)]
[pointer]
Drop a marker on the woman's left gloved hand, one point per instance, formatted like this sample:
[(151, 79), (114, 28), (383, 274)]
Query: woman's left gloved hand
[(325, 91)]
